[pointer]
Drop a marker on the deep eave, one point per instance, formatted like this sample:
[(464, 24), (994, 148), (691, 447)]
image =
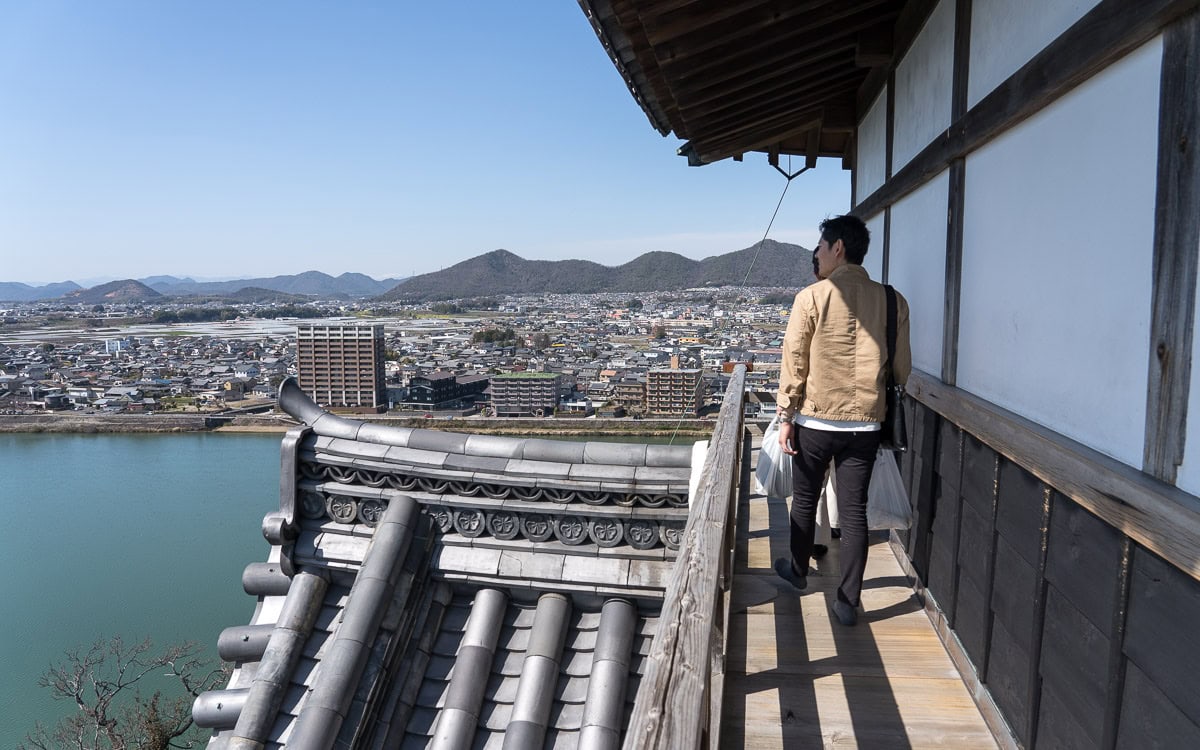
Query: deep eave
[(736, 76)]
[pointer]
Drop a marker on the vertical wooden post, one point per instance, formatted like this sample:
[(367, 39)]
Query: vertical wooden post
[(1116, 655), (1176, 246), (956, 198), (887, 245), (889, 125), (954, 249), (1039, 623)]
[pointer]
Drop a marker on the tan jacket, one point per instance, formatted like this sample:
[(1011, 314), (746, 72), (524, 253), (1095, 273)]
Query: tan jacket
[(835, 347)]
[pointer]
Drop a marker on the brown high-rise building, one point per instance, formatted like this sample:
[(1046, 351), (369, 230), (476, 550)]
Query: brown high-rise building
[(520, 394), (341, 366), (674, 392)]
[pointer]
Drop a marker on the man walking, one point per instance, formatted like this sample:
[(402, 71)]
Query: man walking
[(831, 384)]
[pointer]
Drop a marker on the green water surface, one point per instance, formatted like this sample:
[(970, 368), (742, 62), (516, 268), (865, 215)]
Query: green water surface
[(137, 535)]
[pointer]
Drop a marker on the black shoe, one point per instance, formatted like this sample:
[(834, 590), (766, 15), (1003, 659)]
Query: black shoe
[(845, 614), (787, 572), (819, 551)]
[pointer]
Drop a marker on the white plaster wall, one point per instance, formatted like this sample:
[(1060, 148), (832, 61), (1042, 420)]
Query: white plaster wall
[(1057, 261), (924, 86), (917, 267), (874, 260), (872, 149), (1006, 34), (1188, 477)]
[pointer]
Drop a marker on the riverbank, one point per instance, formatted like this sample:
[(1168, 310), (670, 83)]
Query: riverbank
[(70, 422)]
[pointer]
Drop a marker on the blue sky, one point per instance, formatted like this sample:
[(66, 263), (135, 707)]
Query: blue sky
[(223, 139)]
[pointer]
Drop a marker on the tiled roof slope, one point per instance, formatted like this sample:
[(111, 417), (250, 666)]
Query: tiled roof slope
[(429, 589)]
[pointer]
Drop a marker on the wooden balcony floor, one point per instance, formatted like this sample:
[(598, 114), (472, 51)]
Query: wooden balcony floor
[(796, 678)]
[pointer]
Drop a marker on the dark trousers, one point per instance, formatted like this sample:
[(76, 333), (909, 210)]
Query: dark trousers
[(853, 455)]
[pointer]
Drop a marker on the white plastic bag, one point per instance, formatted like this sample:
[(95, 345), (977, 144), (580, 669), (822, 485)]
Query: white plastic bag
[(774, 471), (887, 500), (829, 499)]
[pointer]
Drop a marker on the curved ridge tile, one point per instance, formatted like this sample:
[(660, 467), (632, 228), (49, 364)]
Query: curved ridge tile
[(559, 451), (384, 434), (675, 456), (296, 403), (331, 425), (432, 440), (494, 446), (620, 454)]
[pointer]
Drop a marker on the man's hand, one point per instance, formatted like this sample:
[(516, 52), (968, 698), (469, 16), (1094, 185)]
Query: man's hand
[(785, 437)]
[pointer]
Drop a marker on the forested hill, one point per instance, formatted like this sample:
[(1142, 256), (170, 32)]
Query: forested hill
[(501, 272)]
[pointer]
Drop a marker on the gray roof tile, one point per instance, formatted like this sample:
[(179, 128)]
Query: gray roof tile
[(553, 450), (466, 462), (384, 434), (621, 454), (669, 455), (544, 469), (494, 446), (431, 440)]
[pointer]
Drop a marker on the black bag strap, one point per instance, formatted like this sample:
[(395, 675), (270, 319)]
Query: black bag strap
[(891, 332)]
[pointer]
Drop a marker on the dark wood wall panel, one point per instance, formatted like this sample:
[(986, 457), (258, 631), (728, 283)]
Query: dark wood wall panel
[(1008, 677), (1074, 664), (979, 475), (916, 541), (943, 548), (912, 417), (1083, 560), (944, 515), (975, 548), (971, 623), (919, 478), (1149, 720), (1161, 635), (1019, 511), (949, 457), (1057, 729), (1014, 592)]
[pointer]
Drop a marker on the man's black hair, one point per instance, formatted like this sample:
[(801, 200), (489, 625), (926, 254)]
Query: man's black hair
[(852, 232)]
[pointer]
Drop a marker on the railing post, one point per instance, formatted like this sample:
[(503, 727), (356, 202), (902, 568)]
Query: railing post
[(678, 704)]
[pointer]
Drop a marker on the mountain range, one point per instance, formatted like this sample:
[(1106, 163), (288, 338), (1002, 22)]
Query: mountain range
[(303, 285), (125, 290), (15, 291), (768, 263), (312, 283)]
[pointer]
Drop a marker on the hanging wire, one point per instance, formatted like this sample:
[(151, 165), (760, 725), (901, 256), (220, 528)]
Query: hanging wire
[(758, 247)]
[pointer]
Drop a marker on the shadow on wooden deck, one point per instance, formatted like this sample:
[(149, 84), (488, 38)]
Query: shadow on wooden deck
[(796, 678)]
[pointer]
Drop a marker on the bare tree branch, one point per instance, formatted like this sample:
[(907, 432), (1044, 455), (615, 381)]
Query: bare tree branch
[(105, 684)]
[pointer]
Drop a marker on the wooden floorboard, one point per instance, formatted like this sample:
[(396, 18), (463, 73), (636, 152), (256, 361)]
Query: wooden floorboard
[(796, 678)]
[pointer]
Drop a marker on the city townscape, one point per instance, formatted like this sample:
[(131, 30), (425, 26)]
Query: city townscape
[(663, 354)]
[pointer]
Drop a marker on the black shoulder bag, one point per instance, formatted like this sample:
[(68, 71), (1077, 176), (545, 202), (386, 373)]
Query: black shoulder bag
[(893, 431)]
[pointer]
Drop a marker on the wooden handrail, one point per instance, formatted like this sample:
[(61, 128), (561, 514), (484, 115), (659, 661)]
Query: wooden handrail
[(1162, 518), (673, 707)]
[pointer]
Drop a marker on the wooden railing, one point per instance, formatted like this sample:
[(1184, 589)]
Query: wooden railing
[(1064, 583), (1162, 518), (679, 702)]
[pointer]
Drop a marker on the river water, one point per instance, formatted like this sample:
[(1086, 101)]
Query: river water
[(136, 535), (143, 536)]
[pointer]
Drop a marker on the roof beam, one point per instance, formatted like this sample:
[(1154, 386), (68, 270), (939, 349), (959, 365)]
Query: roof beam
[(731, 48), (782, 87), (873, 48), (815, 93), (719, 88)]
